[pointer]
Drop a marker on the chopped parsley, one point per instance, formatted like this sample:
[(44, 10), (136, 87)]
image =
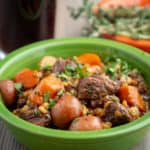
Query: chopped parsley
[(47, 67), (70, 68), (51, 103), (76, 71), (36, 112), (63, 76), (116, 67), (75, 120), (46, 96), (19, 87), (60, 93), (82, 73), (113, 98), (80, 66)]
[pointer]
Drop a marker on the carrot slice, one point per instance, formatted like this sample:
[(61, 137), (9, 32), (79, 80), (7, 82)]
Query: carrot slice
[(90, 58), (118, 3), (36, 98), (132, 96), (50, 84), (27, 77), (143, 44)]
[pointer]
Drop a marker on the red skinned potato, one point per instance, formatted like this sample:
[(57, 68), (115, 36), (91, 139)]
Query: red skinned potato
[(86, 123), (8, 91), (65, 110)]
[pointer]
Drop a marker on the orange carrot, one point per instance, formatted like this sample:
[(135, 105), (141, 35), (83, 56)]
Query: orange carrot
[(117, 3), (36, 98), (50, 84), (90, 58), (27, 77), (132, 96), (143, 44)]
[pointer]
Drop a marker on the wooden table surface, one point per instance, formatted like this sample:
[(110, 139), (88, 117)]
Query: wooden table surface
[(65, 27)]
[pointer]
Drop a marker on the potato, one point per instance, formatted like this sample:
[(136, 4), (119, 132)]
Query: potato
[(86, 123), (8, 91), (65, 110), (47, 61)]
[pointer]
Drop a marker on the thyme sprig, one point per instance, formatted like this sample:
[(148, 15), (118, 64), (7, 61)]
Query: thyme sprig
[(133, 22)]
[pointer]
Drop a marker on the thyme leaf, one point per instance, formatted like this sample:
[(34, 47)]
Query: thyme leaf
[(133, 22)]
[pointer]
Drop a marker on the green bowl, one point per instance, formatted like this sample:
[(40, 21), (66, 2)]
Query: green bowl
[(35, 137)]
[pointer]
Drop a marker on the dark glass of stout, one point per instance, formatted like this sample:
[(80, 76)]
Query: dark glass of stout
[(25, 21)]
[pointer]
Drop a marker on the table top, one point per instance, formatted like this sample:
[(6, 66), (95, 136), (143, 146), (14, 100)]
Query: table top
[(8, 142), (64, 27)]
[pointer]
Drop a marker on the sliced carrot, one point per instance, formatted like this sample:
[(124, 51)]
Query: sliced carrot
[(132, 96), (50, 84), (143, 44), (144, 2), (90, 58), (117, 3), (36, 98), (27, 77)]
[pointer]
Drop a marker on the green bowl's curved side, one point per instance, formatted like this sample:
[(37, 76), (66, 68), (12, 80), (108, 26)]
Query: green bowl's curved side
[(34, 137)]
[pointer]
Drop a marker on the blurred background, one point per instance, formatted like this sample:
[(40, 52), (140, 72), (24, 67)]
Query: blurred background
[(26, 21)]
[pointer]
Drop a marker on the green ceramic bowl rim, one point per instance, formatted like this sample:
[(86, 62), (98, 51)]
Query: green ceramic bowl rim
[(126, 129)]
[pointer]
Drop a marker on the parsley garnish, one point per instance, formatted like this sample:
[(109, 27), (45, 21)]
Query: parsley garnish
[(75, 120), (60, 93), (46, 96), (47, 67), (111, 68), (36, 112), (51, 103), (75, 71), (70, 68), (63, 76), (113, 98), (83, 73), (19, 87)]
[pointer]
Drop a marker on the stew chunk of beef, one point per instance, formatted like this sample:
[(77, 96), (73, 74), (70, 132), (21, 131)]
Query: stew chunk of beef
[(21, 102), (60, 65), (96, 87), (33, 116), (116, 113)]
